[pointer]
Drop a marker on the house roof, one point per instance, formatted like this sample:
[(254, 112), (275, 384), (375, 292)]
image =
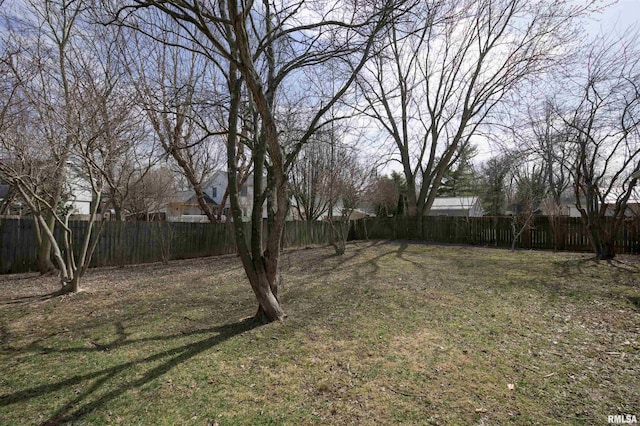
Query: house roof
[(617, 192), (454, 203), (189, 197)]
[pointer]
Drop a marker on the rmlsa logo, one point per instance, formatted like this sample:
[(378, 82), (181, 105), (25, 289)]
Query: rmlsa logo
[(622, 419)]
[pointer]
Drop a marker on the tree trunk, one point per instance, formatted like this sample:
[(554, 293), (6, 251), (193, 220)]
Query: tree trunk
[(72, 286), (601, 245), (336, 236), (119, 213), (514, 233), (45, 265), (265, 289), (412, 200), (43, 257), (606, 252)]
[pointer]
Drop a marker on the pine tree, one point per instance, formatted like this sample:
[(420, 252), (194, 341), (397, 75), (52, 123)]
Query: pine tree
[(460, 179)]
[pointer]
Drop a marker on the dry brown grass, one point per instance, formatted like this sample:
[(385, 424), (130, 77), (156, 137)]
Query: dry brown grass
[(389, 333)]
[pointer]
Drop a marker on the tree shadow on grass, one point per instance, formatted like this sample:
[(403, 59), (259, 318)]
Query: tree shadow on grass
[(34, 298), (80, 405), (571, 268), (121, 340), (624, 266), (400, 254)]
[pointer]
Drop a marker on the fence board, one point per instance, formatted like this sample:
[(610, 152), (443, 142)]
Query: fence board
[(566, 234), (122, 243)]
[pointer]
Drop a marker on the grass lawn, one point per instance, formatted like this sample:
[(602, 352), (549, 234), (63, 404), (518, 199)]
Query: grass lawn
[(391, 332)]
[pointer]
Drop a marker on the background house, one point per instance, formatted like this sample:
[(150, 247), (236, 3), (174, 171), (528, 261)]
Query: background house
[(185, 203), (9, 205), (216, 186), (456, 206), (568, 205), (184, 206), (79, 196), (77, 200)]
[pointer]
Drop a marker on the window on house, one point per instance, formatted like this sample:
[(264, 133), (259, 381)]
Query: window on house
[(214, 192)]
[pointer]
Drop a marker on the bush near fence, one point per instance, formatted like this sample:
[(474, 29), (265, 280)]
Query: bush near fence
[(571, 235), (124, 243)]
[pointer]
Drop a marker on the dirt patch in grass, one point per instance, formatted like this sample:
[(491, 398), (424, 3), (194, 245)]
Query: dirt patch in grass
[(391, 332)]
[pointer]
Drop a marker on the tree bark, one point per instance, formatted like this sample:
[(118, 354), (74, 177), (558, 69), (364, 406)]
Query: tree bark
[(43, 257), (73, 286), (261, 267), (266, 292)]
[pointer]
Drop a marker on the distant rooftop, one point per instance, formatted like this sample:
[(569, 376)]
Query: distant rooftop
[(189, 197), (451, 203)]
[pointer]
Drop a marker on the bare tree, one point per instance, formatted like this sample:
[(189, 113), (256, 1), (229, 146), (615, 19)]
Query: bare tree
[(528, 190), (546, 138), (41, 31), (446, 68), (151, 193), (316, 176), (350, 181), (72, 123), (263, 48), (181, 100), (122, 150), (383, 195), (602, 115)]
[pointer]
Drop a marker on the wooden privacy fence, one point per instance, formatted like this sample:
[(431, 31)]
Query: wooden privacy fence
[(122, 243), (567, 233)]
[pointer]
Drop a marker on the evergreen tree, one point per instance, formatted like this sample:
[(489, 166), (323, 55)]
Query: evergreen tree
[(403, 199), (460, 179)]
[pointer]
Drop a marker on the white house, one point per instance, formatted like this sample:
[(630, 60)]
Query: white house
[(80, 196), (185, 206), (216, 186), (456, 206)]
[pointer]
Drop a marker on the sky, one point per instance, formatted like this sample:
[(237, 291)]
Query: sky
[(616, 18)]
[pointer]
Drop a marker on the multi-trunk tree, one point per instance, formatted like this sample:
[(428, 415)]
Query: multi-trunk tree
[(601, 117), (71, 124), (44, 126), (262, 50)]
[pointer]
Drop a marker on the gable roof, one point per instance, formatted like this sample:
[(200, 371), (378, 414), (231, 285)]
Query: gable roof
[(454, 203), (189, 197)]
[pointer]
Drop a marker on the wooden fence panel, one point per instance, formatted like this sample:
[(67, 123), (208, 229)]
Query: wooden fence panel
[(123, 243), (18, 245), (567, 233)]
